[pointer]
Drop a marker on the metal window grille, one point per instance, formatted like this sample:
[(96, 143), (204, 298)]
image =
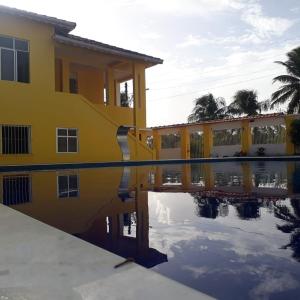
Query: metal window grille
[(226, 137), (68, 186), (15, 139), (18, 51), (171, 140), (16, 189), (274, 134)]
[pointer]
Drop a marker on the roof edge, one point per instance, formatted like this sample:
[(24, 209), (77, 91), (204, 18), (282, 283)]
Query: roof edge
[(261, 116), (104, 48), (59, 24)]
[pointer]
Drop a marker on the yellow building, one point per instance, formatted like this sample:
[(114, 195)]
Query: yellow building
[(60, 94)]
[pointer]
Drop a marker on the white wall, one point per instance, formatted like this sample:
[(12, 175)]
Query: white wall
[(270, 149), (170, 153), (230, 150)]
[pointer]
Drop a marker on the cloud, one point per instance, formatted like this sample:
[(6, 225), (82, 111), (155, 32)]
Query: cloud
[(151, 36), (264, 26)]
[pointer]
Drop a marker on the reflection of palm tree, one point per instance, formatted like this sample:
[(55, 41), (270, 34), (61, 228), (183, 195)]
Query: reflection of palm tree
[(207, 207), (248, 210), (292, 226)]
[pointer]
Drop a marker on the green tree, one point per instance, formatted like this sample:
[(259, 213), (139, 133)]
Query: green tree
[(289, 92), (207, 107), (244, 103)]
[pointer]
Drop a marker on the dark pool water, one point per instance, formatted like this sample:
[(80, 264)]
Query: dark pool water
[(231, 230)]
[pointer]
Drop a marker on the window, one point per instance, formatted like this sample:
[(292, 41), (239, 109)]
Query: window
[(16, 189), (274, 134), (170, 141), (68, 186), (15, 139), (14, 59), (67, 140), (227, 137)]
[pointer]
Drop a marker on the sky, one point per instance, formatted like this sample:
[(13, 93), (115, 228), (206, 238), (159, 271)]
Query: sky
[(217, 46)]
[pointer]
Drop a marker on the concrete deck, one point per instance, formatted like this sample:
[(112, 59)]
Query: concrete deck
[(40, 262)]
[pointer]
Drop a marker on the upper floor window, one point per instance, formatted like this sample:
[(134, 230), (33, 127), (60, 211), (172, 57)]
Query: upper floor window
[(67, 140), (14, 59), (15, 139)]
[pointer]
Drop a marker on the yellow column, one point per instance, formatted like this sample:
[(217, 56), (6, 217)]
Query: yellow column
[(66, 76), (290, 173), (185, 143), (209, 177), (246, 136), (110, 87), (247, 177), (157, 143), (207, 140), (186, 176), (158, 177), (290, 148)]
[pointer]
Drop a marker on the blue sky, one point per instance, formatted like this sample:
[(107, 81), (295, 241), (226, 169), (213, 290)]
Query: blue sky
[(216, 46)]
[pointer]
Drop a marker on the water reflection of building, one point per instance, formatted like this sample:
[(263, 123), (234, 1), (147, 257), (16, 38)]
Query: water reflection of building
[(109, 207), (89, 204)]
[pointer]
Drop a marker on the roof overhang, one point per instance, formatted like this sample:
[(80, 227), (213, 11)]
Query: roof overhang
[(80, 42), (61, 26)]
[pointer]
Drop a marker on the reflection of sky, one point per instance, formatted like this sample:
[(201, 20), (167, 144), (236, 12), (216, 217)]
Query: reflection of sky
[(225, 256)]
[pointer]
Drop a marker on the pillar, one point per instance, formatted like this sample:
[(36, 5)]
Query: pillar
[(207, 140), (186, 176), (208, 177), (157, 143), (247, 177), (185, 143), (110, 87), (290, 147), (246, 137), (66, 75)]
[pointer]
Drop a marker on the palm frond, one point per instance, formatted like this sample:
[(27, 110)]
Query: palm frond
[(286, 79), (282, 98)]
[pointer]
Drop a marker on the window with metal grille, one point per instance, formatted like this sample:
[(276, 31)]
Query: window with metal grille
[(15, 139), (14, 59), (67, 140), (68, 186), (16, 189)]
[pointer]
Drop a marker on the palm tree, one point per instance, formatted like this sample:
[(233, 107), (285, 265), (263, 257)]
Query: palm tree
[(207, 107), (244, 103), (290, 89)]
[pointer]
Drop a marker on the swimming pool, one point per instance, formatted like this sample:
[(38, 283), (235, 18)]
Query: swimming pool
[(231, 230)]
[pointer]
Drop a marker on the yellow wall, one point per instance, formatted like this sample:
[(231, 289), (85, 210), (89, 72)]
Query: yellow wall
[(37, 104)]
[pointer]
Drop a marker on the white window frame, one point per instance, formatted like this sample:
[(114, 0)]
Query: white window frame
[(15, 56), (67, 137), (29, 139), (69, 190)]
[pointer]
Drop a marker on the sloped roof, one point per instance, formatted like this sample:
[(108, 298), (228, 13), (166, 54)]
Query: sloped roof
[(60, 26), (78, 41)]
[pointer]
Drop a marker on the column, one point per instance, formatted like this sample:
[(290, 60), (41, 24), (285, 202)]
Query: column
[(290, 147), (246, 137), (157, 143), (207, 140), (185, 143), (110, 87), (186, 176), (247, 177)]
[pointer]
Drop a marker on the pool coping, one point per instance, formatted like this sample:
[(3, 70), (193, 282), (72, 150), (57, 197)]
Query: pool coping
[(87, 165)]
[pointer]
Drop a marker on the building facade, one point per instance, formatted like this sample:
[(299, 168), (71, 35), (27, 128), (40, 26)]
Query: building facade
[(60, 97)]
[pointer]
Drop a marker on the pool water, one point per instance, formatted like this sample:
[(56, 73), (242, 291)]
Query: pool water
[(231, 230)]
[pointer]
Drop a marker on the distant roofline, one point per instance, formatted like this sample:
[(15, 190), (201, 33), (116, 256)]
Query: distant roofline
[(62, 29), (262, 116), (60, 25), (81, 42)]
